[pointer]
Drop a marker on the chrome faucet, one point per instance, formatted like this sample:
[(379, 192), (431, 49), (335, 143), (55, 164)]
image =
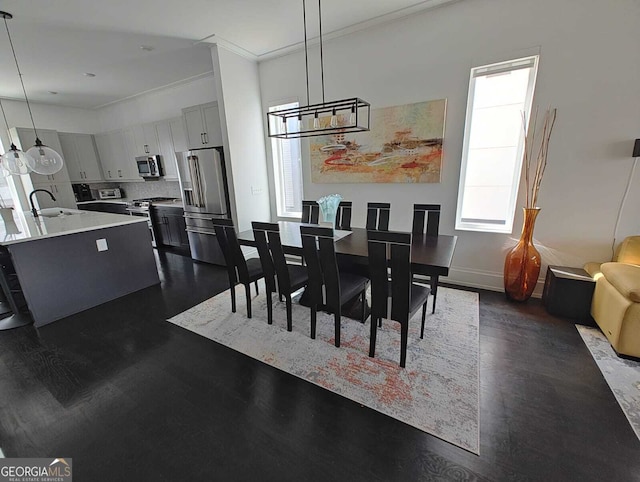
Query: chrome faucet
[(34, 211)]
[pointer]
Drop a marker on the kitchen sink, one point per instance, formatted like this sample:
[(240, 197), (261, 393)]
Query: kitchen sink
[(55, 212)]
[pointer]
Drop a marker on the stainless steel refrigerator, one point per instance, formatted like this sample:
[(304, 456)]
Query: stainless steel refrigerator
[(203, 185)]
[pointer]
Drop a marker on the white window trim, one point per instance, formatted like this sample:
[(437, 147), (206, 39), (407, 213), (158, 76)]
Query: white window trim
[(477, 72), (277, 168)]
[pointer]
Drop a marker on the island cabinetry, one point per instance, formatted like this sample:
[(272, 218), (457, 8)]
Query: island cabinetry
[(202, 124), (169, 226), (81, 157), (64, 274)]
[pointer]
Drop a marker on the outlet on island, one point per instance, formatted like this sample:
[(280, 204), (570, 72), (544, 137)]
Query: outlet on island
[(102, 244)]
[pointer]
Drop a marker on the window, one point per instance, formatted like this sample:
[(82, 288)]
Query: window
[(287, 169), (7, 194), (494, 143)]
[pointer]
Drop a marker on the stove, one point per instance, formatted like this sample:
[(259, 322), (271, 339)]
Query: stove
[(147, 201)]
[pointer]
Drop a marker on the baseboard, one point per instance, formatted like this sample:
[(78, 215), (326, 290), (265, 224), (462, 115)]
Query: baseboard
[(486, 280)]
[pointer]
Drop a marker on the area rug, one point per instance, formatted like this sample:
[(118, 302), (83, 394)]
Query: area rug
[(437, 392), (623, 376)]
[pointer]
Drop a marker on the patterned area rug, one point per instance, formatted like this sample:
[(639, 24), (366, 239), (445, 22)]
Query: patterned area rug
[(623, 376), (437, 392)]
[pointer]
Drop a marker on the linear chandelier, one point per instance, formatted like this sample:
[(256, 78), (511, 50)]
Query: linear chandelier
[(326, 118), (39, 158)]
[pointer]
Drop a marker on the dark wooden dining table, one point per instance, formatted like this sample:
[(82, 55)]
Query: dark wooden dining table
[(430, 255)]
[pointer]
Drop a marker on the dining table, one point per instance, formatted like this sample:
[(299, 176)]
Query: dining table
[(430, 255)]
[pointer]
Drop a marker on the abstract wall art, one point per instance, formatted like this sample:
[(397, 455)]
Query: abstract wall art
[(404, 145)]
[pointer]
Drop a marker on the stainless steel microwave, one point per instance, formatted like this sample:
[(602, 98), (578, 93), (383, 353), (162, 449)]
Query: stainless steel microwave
[(149, 166)]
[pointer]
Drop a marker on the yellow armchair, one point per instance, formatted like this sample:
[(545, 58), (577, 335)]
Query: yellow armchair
[(616, 299)]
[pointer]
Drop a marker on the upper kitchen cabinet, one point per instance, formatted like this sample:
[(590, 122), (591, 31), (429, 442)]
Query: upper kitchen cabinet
[(203, 125), (167, 150), (118, 163), (81, 157), (26, 138), (178, 134), (142, 140)]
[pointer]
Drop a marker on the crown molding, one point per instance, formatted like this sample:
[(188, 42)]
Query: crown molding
[(177, 83), (364, 25), (214, 39)]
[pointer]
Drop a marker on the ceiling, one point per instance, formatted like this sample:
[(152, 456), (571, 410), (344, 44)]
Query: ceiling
[(57, 42)]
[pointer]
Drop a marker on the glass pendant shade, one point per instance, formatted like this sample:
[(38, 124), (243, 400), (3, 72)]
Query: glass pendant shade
[(44, 160), (16, 162)]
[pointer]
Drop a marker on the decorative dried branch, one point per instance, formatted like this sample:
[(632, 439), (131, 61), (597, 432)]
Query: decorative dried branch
[(533, 174)]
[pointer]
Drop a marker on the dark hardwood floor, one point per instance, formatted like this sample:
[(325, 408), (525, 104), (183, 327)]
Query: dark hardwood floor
[(131, 397)]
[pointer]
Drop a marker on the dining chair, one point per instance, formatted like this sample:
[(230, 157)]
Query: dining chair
[(339, 287), (290, 277), (426, 220), (378, 216), (406, 297), (343, 215), (239, 270), (310, 212)]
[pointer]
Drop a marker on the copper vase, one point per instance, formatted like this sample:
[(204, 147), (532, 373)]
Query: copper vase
[(522, 264)]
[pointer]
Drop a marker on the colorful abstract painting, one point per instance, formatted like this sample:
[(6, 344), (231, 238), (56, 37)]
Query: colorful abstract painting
[(404, 145)]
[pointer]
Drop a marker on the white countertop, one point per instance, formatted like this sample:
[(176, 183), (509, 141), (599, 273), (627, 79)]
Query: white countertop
[(122, 200), (176, 203), (27, 228)]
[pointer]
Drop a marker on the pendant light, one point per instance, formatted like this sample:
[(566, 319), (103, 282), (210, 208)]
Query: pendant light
[(325, 118), (14, 161), (40, 158)]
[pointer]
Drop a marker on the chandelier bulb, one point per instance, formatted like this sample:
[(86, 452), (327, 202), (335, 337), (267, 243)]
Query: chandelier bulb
[(316, 121), (334, 119)]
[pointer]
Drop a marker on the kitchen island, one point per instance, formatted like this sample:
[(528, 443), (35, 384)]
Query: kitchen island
[(67, 263)]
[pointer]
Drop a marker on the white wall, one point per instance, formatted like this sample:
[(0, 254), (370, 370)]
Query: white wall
[(589, 70), (242, 124), (160, 104), (62, 119)]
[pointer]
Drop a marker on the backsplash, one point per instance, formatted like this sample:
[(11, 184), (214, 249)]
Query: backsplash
[(139, 190)]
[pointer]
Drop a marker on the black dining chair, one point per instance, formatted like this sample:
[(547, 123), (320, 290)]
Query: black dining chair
[(290, 277), (310, 212), (239, 270), (426, 220), (406, 297), (339, 287), (378, 216), (343, 216)]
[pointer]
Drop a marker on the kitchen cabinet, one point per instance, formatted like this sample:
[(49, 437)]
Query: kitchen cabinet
[(25, 139), (166, 150), (118, 164), (62, 191), (178, 134), (81, 157), (142, 140), (202, 123), (169, 225)]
